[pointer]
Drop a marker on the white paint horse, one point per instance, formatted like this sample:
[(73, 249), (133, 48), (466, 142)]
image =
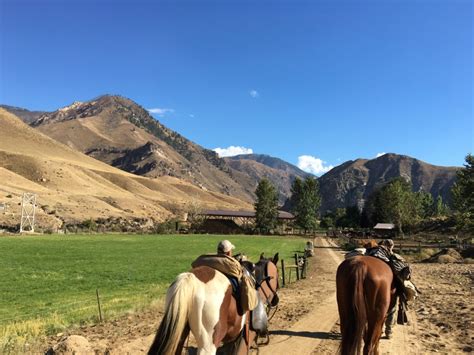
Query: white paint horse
[(201, 301)]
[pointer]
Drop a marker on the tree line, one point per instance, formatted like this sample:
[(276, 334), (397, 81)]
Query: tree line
[(394, 202), (305, 202)]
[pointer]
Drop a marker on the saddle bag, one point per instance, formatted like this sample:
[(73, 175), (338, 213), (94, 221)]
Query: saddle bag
[(260, 318), (410, 290), (248, 294)]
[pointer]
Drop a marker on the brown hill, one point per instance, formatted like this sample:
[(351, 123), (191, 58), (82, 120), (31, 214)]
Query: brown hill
[(121, 133), (352, 182), (279, 172), (74, 187)]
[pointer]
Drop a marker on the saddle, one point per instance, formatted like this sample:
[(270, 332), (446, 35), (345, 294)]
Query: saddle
[(406, 289), (223, 263)]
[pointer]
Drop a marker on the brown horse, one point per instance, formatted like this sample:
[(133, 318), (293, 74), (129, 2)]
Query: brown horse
[(364, 294), (201, 301)]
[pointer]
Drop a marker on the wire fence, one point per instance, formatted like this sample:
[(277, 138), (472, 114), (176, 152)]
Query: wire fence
[(77, 310)]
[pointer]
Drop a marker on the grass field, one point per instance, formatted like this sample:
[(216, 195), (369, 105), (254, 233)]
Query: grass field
[(49, 282)]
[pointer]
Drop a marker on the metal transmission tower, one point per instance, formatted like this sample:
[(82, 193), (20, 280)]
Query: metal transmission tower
[(28, 206)]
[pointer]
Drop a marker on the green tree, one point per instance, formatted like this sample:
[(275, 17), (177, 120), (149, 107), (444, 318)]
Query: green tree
[(463, 196), (266, 206), (351, 218), (327, 221), (339, 217), (439, 207), (394, 203), (305, 201), (425, 203)]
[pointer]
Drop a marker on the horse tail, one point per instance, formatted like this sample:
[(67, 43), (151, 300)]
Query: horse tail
[(353, 309), (174, 326), (360, 309)]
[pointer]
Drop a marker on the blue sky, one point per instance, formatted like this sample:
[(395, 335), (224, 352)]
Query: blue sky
[(326, 80)]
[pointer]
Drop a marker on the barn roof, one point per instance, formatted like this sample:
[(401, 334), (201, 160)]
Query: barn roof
[(247, 214), (384, 226)]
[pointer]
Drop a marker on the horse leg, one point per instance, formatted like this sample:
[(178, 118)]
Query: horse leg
[(199, 322), (203, 335), (372, 336), (376, 318), (376, 333)]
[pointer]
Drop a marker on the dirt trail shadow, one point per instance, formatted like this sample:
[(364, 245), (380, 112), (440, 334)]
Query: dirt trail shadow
[(315, 335)]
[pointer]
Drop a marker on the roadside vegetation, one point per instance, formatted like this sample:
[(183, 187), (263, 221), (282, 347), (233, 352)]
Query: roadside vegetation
[(49, 282)]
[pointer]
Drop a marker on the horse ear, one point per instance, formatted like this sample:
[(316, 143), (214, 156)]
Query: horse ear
[(275, 259), (261, 256)]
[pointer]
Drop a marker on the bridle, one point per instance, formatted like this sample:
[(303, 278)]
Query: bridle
[(262, 277)]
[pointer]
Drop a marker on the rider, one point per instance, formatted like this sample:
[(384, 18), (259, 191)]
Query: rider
[(402, 273), (242, 283), (225, 248), (387, 246)]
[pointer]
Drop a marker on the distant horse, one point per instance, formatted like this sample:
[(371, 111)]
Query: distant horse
[(364, 294), (370, 244), (201, 301)]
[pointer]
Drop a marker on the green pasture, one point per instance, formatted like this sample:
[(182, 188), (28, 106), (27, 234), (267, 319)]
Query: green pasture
[(49, 283)]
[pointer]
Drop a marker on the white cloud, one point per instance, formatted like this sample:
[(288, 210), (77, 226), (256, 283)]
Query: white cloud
[(379, 154), (160, 111), (254, 93), (313, 165), (232, 150)]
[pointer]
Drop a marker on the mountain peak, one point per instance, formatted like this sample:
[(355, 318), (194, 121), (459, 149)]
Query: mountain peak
[(352, 182)]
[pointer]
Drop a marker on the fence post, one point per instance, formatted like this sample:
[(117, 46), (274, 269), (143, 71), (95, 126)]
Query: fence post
[(419, 247), (283, 272), (98, 304)]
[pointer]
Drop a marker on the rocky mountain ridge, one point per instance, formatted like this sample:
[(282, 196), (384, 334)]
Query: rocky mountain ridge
[(278, 171), (352, 182), (121, 133)]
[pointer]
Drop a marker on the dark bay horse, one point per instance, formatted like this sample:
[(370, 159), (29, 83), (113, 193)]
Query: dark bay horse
[(364, 294), (201, 301)]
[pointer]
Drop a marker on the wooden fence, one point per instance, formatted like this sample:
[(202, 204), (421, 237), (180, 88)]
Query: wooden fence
[(298, 266)]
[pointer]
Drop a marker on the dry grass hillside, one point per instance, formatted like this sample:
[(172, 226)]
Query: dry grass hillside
[(73, 187), (121, 133)]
